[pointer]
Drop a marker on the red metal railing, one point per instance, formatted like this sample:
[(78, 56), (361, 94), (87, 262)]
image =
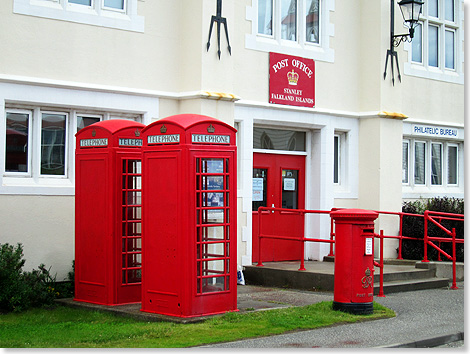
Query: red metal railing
[(429, 216), (302, 239), (436, 218)]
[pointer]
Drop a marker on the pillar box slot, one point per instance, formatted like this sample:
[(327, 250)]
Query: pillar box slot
[(108, 209), (189, 217), (354, 260)]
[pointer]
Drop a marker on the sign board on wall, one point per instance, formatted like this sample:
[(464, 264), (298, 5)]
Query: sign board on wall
[(291, 80)]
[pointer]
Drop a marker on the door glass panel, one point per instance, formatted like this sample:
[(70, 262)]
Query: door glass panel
[(290, 189), (260, 181)]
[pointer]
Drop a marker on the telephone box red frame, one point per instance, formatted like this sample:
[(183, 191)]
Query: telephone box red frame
[(108, 161), (189, 217)]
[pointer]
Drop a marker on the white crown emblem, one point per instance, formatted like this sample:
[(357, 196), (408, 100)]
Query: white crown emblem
[(292, 77)]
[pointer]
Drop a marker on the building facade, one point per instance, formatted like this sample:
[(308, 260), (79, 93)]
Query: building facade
[(357, 141)]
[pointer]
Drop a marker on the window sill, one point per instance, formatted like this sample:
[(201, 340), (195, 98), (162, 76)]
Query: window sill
[(37, 186), (418, 70), (107, 18), (308, 51)]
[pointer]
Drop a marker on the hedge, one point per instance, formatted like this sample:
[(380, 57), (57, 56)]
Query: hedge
[(414, 227)]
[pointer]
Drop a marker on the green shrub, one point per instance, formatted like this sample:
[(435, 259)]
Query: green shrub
[(414, 227), (21, 290)]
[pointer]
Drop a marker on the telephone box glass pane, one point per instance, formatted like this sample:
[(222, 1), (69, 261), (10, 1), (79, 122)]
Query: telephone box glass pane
[(131, 221), (213, 183), (213, 199), (289, 189), (210, 285), (215, 216), (212, 250), (260, 181), (212, 165)]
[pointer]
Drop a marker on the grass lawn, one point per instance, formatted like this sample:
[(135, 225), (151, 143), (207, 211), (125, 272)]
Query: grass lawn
[(63, 327)]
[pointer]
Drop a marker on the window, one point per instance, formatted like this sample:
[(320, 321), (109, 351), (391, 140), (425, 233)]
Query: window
[(452, 164), (437, 45), (120, 14), (420, 162), (85, 121), (17, 152), (274, 139), (405, 162), (430, 160), (294, 27), (336, 162), (417, 45), (40, 142), (436, 163), (53, 144)]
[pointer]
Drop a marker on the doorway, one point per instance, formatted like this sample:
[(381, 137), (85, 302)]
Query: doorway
[(278, 181)]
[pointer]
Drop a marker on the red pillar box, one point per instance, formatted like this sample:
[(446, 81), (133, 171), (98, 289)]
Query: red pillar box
[(354, 260), (189, 217), (108, 212)]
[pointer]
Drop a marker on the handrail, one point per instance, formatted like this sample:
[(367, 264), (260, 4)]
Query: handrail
[(432, 216), (298, 239)]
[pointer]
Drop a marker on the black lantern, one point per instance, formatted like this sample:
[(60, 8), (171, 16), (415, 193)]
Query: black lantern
[(410, 10)]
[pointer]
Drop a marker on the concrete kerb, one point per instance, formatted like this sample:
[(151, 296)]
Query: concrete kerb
[(430, 342)]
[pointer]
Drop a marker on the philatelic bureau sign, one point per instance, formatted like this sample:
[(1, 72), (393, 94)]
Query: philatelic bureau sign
[(291, 80)]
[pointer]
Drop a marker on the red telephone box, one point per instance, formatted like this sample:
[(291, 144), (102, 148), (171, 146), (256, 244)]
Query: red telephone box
[(354, 260), (189, 217), (108, 212)]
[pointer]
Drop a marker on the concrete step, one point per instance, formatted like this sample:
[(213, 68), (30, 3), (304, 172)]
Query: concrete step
[(403, 273), (411, 285), (320, 277)]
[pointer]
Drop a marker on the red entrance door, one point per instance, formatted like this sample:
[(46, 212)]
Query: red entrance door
[(278, 181)]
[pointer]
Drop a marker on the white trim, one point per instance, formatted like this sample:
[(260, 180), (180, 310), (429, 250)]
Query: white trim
[(95, 15), (30, 140), (63, 100), (440, 73), (300, 47)]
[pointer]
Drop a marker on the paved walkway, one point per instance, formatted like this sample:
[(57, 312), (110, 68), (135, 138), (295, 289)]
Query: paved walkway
[(425, 318)]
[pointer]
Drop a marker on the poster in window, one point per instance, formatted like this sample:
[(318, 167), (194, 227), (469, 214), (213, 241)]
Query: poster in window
[(289, 184), (258, 189)]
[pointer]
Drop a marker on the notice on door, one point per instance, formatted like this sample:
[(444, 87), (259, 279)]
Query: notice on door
[(289, 184), (258, 189)]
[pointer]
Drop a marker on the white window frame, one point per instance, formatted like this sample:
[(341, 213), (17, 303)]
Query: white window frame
[(77, 114), (456, 146), (445, 145), (426, 162), (66, 145), (441, 145), (441, 73), (97, 14), (30, 140), (300, 47), (337, 163), (104, 7), (406, 173)]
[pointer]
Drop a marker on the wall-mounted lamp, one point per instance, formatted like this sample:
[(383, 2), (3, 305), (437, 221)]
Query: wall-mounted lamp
[(410, 10)]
